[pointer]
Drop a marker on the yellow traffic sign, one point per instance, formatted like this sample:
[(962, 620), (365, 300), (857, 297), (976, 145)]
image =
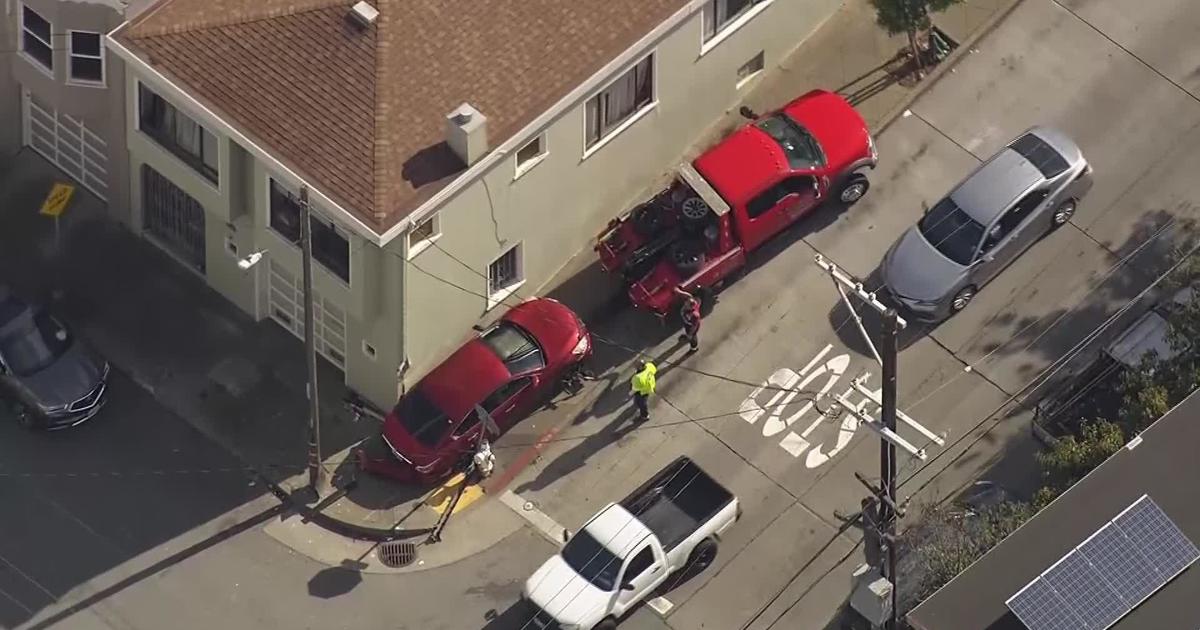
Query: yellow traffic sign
[(56, 202)]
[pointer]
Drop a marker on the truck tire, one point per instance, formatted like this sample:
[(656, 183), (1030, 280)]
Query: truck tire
[(854, 188), (702, 556), (648, 220), (608, 623), (688, 256)]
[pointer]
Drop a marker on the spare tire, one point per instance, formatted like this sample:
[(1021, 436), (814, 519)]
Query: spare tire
[(694, 210), (688, 256)]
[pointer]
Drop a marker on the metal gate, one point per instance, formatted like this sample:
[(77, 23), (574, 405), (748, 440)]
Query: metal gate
[(173, 217), (287, 308), (68, 143)]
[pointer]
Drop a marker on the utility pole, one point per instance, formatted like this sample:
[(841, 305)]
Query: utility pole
[(887, 450), (310, 349), (887, 501)]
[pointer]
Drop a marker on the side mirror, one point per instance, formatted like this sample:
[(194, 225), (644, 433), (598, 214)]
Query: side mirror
[(627, 586), (924, 208), (746, 112)]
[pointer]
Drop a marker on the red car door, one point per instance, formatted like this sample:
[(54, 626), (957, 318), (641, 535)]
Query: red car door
[(777, 207)]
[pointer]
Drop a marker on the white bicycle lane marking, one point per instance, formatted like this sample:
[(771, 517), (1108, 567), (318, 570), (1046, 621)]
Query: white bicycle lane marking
[(784, 385)]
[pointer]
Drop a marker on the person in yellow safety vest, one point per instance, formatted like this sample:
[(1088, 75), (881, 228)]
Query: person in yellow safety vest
[(643, 385)]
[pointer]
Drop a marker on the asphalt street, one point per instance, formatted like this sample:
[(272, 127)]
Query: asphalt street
[(108, 537)]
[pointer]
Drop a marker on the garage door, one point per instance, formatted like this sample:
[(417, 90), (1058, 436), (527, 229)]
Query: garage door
[(287, 308), (68, 143)]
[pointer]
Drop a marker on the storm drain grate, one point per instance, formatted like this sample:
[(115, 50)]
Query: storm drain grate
[(397, 553)]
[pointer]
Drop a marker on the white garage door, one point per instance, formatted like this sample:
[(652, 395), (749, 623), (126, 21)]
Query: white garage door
[(287, 308), (68, 143)]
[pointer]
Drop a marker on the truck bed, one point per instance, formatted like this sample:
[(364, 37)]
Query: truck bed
[(677, 501)]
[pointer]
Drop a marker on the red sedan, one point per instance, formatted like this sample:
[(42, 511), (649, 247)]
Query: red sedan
[(509, 369)]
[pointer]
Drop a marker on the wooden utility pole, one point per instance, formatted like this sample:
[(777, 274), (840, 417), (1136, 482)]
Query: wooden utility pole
[(887, 452), (310, 348)]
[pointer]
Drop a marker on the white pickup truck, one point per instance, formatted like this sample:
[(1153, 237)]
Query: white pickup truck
[(623, 553)]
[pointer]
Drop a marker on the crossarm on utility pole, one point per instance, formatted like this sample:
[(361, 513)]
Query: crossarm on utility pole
[(903, 417), (874, 425)]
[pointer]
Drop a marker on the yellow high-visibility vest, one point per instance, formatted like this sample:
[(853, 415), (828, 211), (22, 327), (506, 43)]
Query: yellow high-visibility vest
[(643, 382)]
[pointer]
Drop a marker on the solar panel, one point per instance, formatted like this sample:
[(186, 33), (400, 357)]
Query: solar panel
[(1038, 606), (1109, 574)]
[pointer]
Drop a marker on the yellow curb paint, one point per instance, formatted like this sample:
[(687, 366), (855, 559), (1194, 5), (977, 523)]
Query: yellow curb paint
[(440, 500)]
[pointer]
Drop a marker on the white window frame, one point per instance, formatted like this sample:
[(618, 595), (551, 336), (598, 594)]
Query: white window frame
[(722, 30), (742, 81), (520, 168), (497, 297), (21, 8), (633, 117), (71, 54), (416, 248)]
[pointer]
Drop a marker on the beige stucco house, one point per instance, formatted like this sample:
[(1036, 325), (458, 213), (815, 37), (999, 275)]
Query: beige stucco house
[(457, 153)]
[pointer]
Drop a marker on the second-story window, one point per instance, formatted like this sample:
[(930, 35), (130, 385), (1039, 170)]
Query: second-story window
[(329, 246), (629, 94), (35, 38), (721, 14), (87, 57), (177, 133)]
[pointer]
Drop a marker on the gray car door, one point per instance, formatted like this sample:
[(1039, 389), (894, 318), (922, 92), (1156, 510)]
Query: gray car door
[(1010, 235)]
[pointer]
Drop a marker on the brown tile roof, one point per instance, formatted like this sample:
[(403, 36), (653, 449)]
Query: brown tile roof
[(361, 113)]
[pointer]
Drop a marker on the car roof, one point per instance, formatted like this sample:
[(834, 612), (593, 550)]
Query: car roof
[(992, 188), (617, 529), (464, 379)]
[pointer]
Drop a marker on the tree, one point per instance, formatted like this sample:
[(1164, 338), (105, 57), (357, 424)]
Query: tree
[(909, 17), (1073, 457)]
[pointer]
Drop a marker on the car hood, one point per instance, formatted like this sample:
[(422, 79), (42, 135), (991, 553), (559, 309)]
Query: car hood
[(71, 377), (914, 269), (838, 127), (557, 589)]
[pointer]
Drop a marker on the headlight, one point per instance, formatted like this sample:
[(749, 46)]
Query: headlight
[(582, 346)]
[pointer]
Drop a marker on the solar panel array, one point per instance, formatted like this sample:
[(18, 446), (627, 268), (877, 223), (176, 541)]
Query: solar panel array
[(1107, 576)]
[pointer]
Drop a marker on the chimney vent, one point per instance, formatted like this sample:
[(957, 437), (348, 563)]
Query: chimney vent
[(466, 133), (363, 14)]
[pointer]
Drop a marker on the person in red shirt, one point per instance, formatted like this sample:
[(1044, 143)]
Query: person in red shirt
[(689, 312)]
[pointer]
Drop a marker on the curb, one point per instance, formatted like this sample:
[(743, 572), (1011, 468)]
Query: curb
[(964, 48), (341, 528)]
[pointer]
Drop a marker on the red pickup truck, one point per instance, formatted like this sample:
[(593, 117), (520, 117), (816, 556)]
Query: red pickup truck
[(737, 195)]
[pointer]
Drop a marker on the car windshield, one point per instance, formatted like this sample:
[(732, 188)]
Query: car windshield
[(425, 422), (515, 347), (592, 561), (801, 149), (951, 231), (31, 345)]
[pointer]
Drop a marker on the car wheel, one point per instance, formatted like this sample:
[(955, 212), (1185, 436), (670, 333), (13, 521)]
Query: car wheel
[(24, 416), (1062, 214), (647, 220), (855, 188), (703, 555), (962, 298), (688, 256), (694, 210)]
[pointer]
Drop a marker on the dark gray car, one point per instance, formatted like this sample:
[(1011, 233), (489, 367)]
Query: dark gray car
[(1028, 189), (48, 378)]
